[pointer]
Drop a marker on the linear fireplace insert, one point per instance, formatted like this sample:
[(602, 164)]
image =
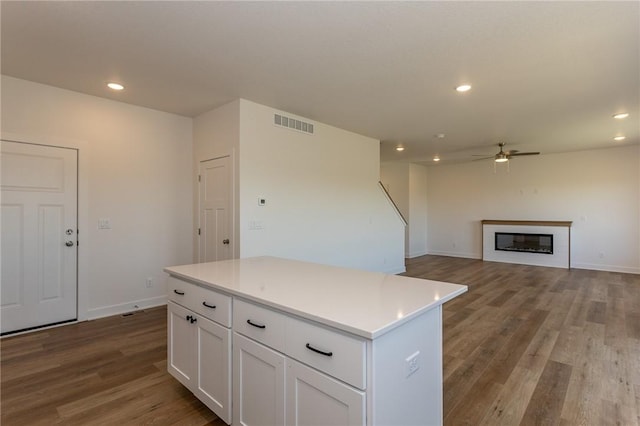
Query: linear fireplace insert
[(529, 243)]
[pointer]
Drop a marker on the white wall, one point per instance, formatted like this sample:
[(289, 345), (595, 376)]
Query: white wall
[(417, 210), (135, 169), (407, 185), (599, 190), (323, 200)]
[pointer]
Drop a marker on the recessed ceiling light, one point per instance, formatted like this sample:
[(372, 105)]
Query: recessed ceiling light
[(619, 138), (115, 86), (436, 158), (621, 115), (399, 148), (463, 88)]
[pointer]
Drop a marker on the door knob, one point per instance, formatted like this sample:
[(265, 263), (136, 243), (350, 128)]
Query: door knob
[(69, 231), (69, 244), (225, 241)]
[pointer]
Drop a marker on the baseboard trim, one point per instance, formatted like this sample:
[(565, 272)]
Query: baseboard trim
[(136, 305), (606, 268), (589, 266), (416, 254), (452, 254)]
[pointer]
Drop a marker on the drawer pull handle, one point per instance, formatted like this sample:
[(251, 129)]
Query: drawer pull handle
[(181, 293), (256, 325), (209, 306), (311, 348)]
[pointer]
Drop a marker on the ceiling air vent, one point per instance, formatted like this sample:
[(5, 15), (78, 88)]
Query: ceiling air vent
[(293, 124)]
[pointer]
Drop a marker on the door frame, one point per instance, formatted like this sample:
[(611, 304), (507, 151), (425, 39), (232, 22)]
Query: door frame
[(83, 209), (233, 208)]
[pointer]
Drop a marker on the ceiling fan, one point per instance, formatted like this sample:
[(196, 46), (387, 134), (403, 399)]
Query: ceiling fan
[(503, 156)]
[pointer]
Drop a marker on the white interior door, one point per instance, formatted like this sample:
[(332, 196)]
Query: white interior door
[(39, 242), (215, 210)]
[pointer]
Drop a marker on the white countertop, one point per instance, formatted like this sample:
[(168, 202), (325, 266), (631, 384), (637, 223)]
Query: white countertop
[(367, 304)]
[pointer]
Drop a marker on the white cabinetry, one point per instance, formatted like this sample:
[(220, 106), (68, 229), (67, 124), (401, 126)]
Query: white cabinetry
[(258, 384), (314, 398), (312, 344), (199, 350), (263, 388)]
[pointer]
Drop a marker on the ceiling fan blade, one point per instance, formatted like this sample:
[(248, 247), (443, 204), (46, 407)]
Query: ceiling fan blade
[(524, 153), (479, 155), (484, 158), (513, 151)]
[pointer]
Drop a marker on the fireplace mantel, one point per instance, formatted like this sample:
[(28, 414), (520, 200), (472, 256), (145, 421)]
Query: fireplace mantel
[(561, 231), (566, 223)]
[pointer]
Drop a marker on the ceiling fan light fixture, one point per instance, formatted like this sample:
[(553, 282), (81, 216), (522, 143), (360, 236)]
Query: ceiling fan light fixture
[(463, 88), (399, 148), (501, 158), (436, 158), (620, 115)]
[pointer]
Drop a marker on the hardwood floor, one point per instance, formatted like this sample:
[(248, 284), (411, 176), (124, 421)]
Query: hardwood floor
[(105, 372), (526, 345), (531, 345)]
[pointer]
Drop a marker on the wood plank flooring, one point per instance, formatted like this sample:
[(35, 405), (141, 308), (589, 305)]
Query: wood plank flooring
[(525, 346), (110, 371), (529, 345)]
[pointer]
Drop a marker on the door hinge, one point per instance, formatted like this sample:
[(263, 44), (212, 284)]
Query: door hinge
[(198, 231), (199, 178)]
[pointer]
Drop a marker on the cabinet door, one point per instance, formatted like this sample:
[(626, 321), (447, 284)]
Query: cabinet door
[(316, 399), (258, 382), (213, 379), (180, 337)]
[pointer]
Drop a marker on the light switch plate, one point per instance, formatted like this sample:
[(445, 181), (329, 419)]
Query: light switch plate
[(104, 223), (255, 225)]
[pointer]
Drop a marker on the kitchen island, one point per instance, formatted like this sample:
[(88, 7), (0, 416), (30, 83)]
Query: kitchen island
[(274, 341)]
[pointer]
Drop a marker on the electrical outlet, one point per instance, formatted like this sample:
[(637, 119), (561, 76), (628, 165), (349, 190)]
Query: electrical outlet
[(149, 282), (412, 364)]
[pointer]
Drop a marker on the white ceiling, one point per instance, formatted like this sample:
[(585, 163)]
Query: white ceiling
[(546, 76)]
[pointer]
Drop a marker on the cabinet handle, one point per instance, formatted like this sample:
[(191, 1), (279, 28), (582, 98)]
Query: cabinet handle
[(193, 319), (188, 318), (209, 306), (256, 325), (181, 293), (311, 348)]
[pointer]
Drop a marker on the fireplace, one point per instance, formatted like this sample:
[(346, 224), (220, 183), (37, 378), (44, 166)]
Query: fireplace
[(528, 243)]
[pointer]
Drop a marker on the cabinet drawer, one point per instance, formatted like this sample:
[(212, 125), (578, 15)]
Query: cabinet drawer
[(211, 304), (177, 290), (208, 303), (339, 355), (260, 324)]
